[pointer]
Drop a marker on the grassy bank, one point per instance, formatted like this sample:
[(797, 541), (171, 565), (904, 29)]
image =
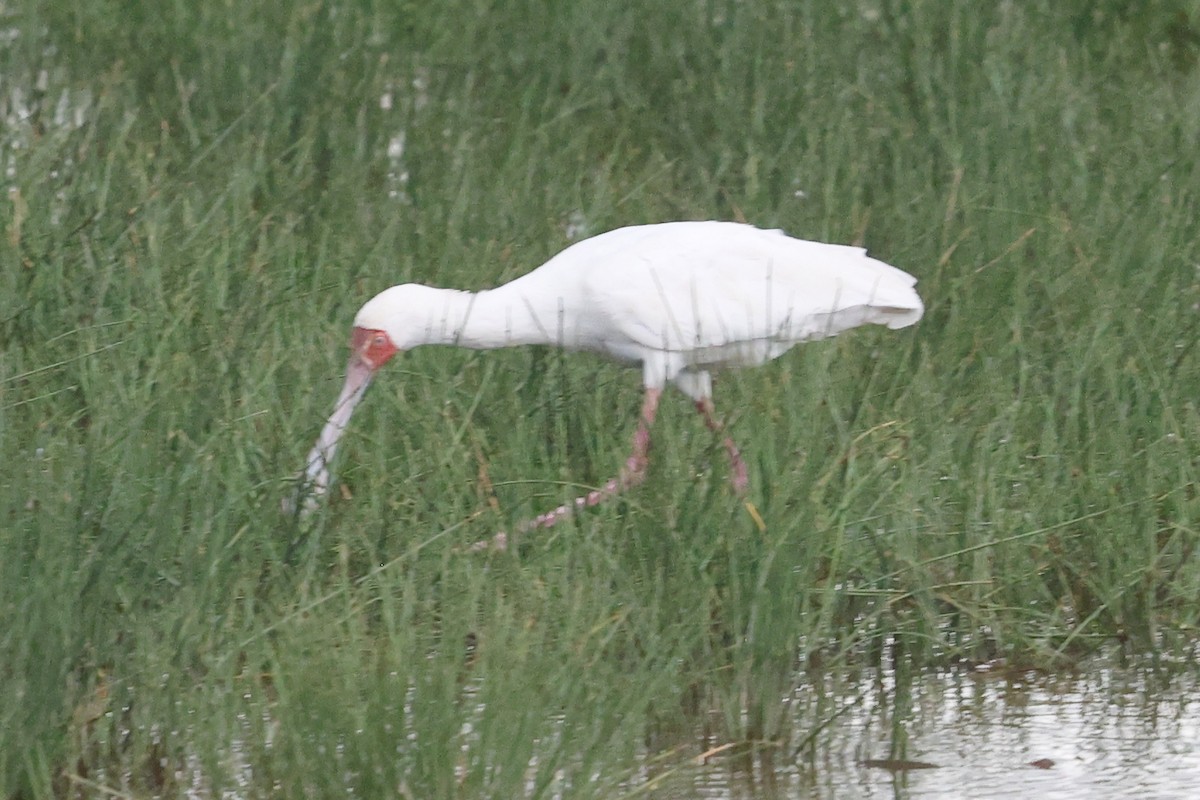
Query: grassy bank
[(198, 199)]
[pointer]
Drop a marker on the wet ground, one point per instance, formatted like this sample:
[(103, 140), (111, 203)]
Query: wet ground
[(1105, 733)]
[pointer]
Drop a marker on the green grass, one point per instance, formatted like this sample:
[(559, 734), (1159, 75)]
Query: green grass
[(198, 198)]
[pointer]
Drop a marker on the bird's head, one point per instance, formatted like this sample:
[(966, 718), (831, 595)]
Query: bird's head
[(378, 333), (371, 347), (393, 321), (378, 326)]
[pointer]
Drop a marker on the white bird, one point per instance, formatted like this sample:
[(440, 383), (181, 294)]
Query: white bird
[(678, 299)]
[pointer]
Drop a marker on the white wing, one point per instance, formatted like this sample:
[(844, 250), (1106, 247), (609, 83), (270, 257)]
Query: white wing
[(719, 293)]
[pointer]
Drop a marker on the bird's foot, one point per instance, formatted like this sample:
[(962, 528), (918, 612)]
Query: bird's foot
[(498, 542)]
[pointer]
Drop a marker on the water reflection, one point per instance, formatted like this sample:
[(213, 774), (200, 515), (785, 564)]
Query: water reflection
[(1104, 733)]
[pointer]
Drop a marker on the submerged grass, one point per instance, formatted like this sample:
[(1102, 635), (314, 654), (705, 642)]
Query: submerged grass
[(198, 200)]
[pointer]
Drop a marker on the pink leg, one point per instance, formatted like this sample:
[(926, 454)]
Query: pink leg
[(738, 475), (631, 475)]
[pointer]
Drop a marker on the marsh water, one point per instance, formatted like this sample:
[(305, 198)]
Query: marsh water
[(1109, 732)]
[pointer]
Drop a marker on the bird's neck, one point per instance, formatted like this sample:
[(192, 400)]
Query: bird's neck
[(493, 318)]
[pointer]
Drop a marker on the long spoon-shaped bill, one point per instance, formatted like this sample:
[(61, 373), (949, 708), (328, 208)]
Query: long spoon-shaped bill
[(370, 349), (358, 378), (316, 472)]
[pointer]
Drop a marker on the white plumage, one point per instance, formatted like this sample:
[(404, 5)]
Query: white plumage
[(678, 298)]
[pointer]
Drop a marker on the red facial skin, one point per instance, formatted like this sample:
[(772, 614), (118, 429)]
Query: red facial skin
[(373, 347)]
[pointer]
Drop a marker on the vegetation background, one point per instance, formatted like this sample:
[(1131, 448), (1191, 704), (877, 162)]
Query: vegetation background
[(197, 196)]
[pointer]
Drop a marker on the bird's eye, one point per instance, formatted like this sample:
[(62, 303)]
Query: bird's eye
[(379, 340)]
